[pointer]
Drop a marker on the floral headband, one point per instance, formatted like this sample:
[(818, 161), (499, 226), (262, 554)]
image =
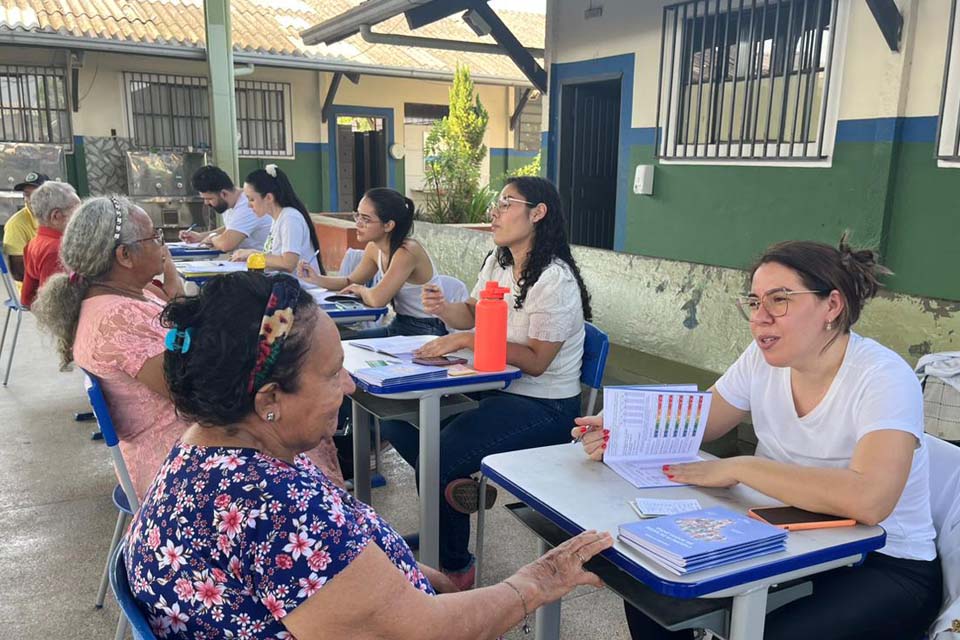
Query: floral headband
[(274, 328)]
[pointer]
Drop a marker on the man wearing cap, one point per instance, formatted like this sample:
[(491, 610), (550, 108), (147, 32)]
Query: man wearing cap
[(21, 228)]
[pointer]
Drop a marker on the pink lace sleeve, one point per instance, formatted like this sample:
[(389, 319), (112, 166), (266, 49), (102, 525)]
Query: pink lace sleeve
[(129, 334)]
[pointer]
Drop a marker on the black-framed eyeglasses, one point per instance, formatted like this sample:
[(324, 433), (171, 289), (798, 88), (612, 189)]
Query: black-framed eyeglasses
[(157, 237), (775, 302), (502, 204)]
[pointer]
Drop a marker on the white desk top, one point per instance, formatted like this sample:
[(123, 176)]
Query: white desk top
[(577, 493)]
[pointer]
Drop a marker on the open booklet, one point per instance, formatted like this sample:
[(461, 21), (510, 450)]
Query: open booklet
[(397, 346), (651, 426)]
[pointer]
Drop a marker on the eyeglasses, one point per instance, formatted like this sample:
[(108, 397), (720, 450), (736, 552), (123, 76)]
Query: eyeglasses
[(775, 302), (363, 220), (157, 238), (502, 204)]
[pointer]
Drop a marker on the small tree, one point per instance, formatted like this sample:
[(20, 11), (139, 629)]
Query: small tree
[(454, 150), (530, 169)]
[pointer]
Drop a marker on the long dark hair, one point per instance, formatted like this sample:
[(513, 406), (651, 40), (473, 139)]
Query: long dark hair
[(549, 240), (393, 206), (263, 183)]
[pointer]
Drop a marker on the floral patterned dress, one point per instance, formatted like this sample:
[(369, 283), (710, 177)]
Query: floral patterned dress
[(229, 541)]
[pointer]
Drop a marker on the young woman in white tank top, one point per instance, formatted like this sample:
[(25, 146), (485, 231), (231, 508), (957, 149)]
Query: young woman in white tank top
[(384, 221)]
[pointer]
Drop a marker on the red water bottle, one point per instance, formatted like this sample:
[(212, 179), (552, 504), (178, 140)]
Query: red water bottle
[(490, 344)]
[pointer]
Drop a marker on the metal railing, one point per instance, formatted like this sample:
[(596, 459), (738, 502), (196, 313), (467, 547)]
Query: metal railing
[(745, 80), (34, 105)]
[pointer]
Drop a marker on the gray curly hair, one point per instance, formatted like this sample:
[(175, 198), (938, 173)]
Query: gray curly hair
[(49, 196), (88, 251)]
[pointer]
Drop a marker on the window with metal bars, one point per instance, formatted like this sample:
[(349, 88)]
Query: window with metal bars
[(172, 113), (262, 118), (34, 105), (526, 134), (948, 130), (744, 80), (168, 112)]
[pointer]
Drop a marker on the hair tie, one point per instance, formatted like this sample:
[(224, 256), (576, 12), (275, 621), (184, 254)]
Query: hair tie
[(76, 279), (275, 326), (177, 340), (271, 170)]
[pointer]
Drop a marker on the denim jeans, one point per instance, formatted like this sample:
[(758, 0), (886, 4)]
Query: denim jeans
[(503, 422), (402, 325)]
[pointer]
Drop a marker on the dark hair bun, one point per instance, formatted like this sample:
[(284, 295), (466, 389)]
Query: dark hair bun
[(208, 384)]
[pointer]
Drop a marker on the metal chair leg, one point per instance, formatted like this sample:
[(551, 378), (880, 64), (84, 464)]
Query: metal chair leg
[(13, 347), (121, 627), (105, 580), (6, 321), (376, 444), (478, 552)]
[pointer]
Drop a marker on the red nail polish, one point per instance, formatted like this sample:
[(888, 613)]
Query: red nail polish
[(603, 446), (669, 476), (606, 431), (583, 429), (605, 438), (666, 467)]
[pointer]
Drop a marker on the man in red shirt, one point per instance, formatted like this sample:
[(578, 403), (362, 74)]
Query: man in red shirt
[(52, 204)]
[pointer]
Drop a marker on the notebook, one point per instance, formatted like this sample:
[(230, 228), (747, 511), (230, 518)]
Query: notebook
[(397, 374), (653, 426), (396, 346), (698, 540)]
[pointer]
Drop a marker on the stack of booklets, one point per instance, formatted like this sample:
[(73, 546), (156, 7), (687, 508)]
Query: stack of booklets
[(698, 540), (393, 375), (651, 426), (397, 346)]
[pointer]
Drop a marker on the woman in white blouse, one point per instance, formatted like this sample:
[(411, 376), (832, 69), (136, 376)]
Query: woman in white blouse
[(839, 424), (292, 237), (548, 304)]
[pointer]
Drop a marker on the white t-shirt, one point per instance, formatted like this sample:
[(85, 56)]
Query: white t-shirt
[(241, 218), (290, 234), (552, 312), (873, 390)]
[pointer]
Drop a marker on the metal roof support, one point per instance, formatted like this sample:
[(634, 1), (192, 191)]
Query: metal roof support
[(223, 99), (332, 92), (889, 19), (505, 38), (430, 12), (436, 43), (515, 118)]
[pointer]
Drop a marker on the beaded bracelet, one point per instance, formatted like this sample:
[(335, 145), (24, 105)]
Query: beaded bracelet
[(523, 601)]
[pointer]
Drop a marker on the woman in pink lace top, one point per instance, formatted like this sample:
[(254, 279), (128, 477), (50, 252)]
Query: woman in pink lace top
[(105, 316)]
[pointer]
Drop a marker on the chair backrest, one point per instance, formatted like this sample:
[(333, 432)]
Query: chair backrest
[(128, 604), (9, 288), (596, 346), (945, 507), (105, 422), (350, 261)]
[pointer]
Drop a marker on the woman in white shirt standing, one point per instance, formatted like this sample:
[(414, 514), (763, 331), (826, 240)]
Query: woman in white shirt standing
[(292, 237), (839, 424), (547, 306), (384, 220)]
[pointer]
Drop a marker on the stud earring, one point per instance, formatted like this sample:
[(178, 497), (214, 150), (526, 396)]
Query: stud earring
[(271, 416), (830, 325)]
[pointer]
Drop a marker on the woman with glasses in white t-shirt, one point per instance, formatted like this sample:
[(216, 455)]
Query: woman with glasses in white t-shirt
[(839, 424)]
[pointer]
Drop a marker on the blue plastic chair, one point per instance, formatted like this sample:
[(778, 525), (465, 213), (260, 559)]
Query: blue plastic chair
[(124, 496), (596, 347), (128, 605), (12, 304)]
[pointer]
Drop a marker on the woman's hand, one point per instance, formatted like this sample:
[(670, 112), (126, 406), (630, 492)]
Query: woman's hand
[(353, 290), (241, 255), (445, 344), (305, 271), (711, 473), (433, 301), (559, 570), (592, 435)]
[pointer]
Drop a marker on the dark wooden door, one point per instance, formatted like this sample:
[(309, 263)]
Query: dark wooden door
[(589, 144)]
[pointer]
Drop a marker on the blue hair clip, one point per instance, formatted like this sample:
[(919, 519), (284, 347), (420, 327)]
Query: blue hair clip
[(174, 336)]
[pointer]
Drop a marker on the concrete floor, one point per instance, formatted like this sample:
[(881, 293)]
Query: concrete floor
[(56, 516)]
